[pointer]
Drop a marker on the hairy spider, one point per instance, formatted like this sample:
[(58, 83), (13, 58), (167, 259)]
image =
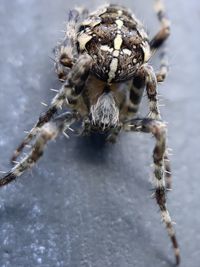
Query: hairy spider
[(103, 64)]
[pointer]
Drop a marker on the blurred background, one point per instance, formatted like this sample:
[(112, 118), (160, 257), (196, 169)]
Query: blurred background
[(87, 204)]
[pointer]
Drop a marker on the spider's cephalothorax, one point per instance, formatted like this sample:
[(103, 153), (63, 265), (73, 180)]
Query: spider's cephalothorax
[(103, 64)]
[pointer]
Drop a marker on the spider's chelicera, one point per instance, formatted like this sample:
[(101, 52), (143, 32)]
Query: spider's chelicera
[(103, 64)]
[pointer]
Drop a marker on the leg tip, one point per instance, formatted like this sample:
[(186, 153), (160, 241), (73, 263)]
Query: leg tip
[(177, 255)]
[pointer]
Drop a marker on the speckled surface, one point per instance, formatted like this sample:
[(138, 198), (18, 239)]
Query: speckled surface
[(87, 204)]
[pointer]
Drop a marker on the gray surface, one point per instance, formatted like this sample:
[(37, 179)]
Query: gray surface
[(87, 204)]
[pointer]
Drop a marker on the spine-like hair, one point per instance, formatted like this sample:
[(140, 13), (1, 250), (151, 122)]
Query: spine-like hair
[(105, 112)]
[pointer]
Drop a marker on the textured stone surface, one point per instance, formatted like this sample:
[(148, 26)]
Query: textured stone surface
[(86, 203)]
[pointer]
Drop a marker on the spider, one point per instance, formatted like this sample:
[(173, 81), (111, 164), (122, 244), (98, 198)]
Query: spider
[(103, 65)]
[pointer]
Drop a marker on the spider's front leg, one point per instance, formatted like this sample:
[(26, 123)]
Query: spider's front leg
[(65, 52), (158, 129), (46, 133), (151, 87), (136, 90), (146, 76), (70, 90)]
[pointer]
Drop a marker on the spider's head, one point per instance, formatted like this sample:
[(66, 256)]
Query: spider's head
[(104, 114)]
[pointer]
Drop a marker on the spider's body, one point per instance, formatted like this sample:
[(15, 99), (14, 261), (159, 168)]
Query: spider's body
[(115, 45), (118, 45), (103, 64)]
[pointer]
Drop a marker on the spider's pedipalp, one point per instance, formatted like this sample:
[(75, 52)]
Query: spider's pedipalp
[(46, 133), (158, 129)]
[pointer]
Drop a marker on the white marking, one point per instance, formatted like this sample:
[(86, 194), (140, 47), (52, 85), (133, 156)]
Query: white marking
[(165, 216), (119, 12), (117, 45), (116, 53), (119, 23), (113, 69), (147, 52), (118, 42), (83, 39), (127, 51), (134, 60), (106, 48)]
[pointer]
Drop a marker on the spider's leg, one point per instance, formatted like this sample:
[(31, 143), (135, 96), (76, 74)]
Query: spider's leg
[(65, 52), (168, 171), (136, 92), (151, 87), (164, 32), (70, 90), (160, 38), (112, 137), (146, 73), (46, 133), (158, 129), (164, 66)]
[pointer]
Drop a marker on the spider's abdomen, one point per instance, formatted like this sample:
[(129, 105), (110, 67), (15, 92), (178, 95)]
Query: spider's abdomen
[(116, 41)]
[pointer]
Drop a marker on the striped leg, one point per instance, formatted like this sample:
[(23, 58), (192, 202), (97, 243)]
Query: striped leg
[(46, 133), (164, 32), (70, 90), (65, 52), (146, 76), (168, 175), (160, 38), (164, 67), (158, 129), (136, 92), (151, 88), (112, 137)]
